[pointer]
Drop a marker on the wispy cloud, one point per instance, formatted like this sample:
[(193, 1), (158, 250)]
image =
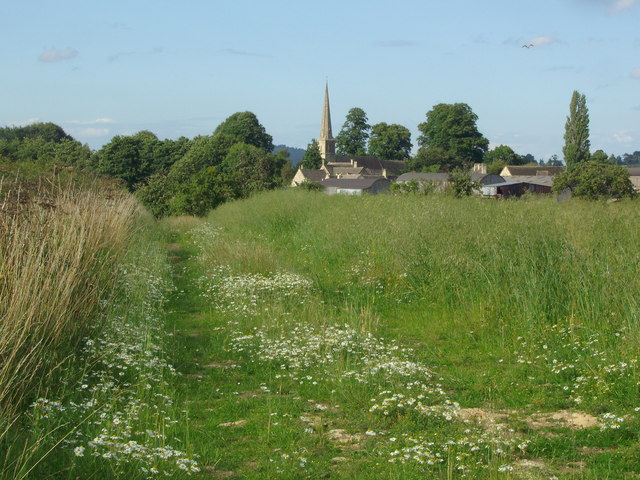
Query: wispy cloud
[(116, 56), (90, 132), (54, 55), (623, 136), (542, 41), (637, 107), (97, 121), (617, 6), (243, 53), (395, 44), (22, 123), (635, 73)]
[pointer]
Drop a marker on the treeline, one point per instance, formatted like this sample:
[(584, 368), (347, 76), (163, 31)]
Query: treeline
[(449, 139), (171, 177)]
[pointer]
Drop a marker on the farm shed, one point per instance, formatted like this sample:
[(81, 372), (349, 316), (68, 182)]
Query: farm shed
[(355, 186), (515, 188), (486, 178), (439, 180)]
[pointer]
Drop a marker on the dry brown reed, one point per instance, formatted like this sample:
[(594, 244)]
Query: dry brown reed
[(57, 254)]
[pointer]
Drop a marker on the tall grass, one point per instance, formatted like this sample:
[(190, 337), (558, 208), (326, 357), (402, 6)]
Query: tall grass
[(57, 253), (530, 261)]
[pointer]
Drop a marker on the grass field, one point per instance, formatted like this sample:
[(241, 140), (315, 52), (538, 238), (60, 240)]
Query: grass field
[(410, 337), (296, 335)]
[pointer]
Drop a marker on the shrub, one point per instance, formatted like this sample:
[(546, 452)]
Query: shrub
[(595, 180)]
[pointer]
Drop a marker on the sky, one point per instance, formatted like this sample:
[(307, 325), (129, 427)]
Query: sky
[(105, 68)]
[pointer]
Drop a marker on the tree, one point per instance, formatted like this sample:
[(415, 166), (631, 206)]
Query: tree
[(595, 180), (452, 129), (433, 159), (311, 158), (352, 139), (504, 154), (250, 169), (203, 192), (600, 156), (576, 131), (120, 158), (390, 142), (244, 127)]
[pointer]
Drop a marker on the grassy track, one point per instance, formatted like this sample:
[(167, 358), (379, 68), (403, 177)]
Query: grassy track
[(405, 338)]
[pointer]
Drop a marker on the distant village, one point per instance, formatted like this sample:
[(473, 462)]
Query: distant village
[(357, 175)]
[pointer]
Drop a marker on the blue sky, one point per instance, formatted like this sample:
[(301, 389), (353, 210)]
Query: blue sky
[(102, 68)]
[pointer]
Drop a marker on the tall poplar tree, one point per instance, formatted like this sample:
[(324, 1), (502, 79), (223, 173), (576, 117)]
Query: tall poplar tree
[(576, 131)]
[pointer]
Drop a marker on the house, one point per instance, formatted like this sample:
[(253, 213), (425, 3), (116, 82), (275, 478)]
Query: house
[(355, 186), (309, 175), (530, 170)]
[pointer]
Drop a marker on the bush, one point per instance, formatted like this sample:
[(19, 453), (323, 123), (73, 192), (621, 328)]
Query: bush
[(595, 180)]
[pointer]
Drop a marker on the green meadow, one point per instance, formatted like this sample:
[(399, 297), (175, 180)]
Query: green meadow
[(296, 335), (410, 337)]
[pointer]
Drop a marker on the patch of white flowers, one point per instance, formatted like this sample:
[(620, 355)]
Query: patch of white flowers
[(120, 416), (247, 293), (582, 365)]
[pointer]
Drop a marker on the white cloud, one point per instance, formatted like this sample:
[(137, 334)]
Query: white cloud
[(22, 123), (619, 5), (92, 122), (623, 136), (90, 132), (541, 41), (635, 73), (54, 55)]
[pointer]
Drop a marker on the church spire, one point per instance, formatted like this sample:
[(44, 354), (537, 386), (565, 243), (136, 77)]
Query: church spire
[(326, 142)]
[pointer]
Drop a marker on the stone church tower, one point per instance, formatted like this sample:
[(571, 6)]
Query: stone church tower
[(326, 142)]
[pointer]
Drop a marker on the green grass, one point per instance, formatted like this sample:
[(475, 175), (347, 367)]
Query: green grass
[(486, 294)]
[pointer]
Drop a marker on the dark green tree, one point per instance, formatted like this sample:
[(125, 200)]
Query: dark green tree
[(205, 151), (48, 131), (433, 159), (121, 158), (576, 132), (203, 192), (352, 139), (244, 127), (451, 128), (504, 154), (595, 180), (250, 169), (600, 156), (311, 158), (390, 142)]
